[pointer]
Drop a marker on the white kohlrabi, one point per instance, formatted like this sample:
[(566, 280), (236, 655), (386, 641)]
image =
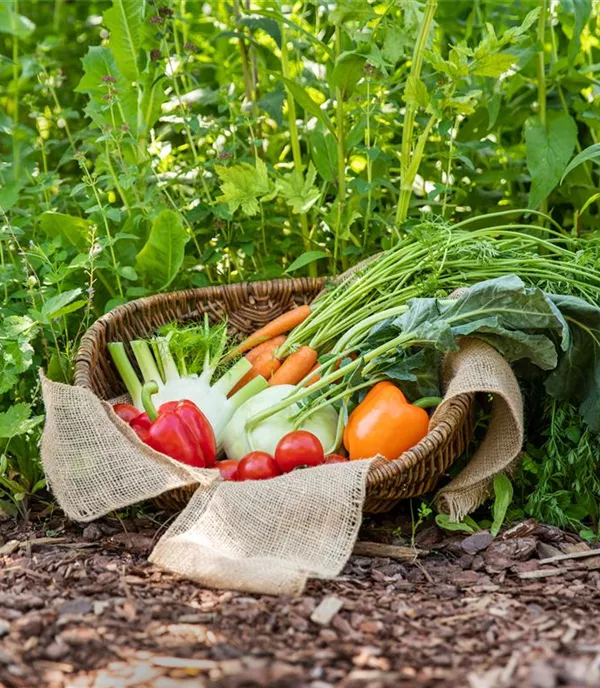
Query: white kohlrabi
[(183, 365), (242, 436)]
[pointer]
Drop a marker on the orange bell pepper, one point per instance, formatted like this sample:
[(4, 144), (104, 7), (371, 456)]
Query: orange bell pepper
[(384, 423)]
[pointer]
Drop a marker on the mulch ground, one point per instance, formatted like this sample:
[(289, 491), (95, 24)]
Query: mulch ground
[(80, 607)]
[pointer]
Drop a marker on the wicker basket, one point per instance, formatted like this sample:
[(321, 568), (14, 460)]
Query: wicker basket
[(247, 307)]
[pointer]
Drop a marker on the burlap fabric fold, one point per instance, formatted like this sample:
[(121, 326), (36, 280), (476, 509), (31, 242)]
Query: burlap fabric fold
[(266, 536)]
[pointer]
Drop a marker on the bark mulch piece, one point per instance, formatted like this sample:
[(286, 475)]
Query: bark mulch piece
[(80, 607)]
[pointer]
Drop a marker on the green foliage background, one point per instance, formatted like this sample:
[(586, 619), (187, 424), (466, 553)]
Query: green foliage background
[(147, 146)]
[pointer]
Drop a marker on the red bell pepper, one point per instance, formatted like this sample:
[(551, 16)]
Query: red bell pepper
[(180, 430), (138, 421), (126, 412), (141, 424)]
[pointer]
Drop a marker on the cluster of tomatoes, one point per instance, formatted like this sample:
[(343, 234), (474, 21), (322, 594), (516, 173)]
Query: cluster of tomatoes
[(298, 449)]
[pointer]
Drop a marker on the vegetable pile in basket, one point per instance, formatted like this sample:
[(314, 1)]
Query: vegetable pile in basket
[(352, 375)]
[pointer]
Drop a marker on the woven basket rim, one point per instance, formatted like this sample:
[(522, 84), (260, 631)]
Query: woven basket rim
[(451, 416)]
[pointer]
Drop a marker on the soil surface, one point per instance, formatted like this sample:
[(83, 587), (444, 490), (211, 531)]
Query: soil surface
[(80, 607)]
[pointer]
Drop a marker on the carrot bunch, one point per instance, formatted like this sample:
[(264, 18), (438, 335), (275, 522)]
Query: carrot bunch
[(262, 347)]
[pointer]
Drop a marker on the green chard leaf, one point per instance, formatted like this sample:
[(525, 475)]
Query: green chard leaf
[(577, 376)]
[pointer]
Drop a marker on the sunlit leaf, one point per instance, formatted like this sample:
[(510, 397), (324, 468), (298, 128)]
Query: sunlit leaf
[(306, 258), (307, 103), (74, 229), (548, 151), (12, 23), (591, 153), (124, 20), (244, 186), (162, 255), (17, 421)]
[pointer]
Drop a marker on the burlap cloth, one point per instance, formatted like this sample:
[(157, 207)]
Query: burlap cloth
[(268, 536)]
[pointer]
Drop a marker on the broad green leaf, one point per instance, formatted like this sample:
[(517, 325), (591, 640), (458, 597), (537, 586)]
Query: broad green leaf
[(324, 154), (548, 151), (492, 65), (510, 35), (9, 194), (124, 20), (128, 273), (443, 521), (162, 255), (74, 229), (307, 103), (590, 153), (394, 44), (299, 192), (306, 258), (152, 99), (503, 494), (98, 64), (574, 14), (12, 23), (60, 368), (577, 376), (346, 73), (244, 186), (520, 322), (269, 26), (16, 352), (17, 421), (415, 92), (55, 306), (351, 11), (272, 104)]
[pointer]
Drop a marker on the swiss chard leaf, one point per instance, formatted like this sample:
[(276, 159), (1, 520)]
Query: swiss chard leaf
[(577, 376)]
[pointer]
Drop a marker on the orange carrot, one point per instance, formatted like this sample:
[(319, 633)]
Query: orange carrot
[(265, 364), (270, 345), (315, 378), (284, 323), (295, 367)]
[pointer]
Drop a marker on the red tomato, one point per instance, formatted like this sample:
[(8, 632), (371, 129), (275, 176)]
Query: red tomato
[(228, 469), (257, 465), (298, 449), (336, 458), (126, 412)]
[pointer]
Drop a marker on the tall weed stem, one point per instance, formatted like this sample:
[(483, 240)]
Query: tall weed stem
[(409, 160)]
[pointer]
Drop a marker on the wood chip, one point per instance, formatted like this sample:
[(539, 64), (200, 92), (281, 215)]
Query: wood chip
[(182, 663), (546, 551), (326, 610), (378, 549), (542, 573), (571, 547), (10, 547), (571, 555), (42, 541)]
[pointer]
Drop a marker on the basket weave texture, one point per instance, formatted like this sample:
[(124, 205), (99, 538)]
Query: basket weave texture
[(247, 307)]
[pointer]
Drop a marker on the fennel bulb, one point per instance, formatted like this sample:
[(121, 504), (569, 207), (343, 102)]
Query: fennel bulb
[(183, 364), (242, 436)]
